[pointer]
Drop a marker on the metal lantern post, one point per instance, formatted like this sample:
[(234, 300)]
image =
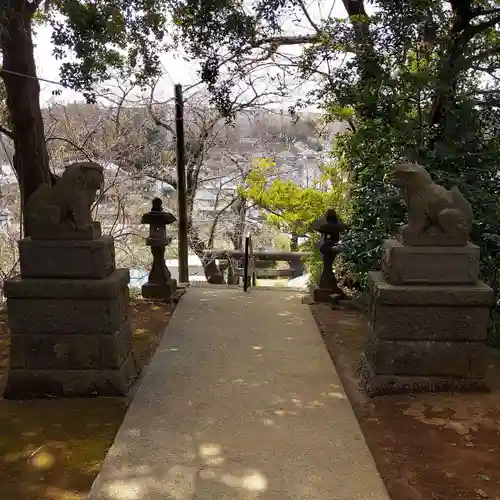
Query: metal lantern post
[(160, 284)]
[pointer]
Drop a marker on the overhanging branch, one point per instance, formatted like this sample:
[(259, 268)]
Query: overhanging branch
[(286, 40), (482, 55), (478, 28)]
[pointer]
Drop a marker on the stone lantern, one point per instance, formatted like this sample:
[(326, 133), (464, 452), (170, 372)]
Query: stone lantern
[(160, 284), (330, 227)]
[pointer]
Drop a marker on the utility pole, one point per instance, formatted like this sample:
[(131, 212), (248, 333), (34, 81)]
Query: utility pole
[(181, 186)]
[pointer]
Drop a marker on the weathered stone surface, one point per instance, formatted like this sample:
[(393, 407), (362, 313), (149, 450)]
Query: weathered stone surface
[(64, 209), (478, 360), (38, 383), (431, 239), (430, 264), (436, 216), (380, 385), (68, 316), (430, 322), (71, 351), (116, 347), (18, 351), (157, 291), (382, 292), (330, 227), (87, 259), (425, 338), (106, 288), (404, 357), (62, 352)]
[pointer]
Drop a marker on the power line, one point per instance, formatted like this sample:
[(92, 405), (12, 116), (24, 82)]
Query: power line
[(39, 78)]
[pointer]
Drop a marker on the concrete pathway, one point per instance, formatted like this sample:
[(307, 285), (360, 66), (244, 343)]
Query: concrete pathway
[(240, 401)]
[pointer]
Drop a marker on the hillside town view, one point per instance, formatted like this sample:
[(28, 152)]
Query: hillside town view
[(138, 157)]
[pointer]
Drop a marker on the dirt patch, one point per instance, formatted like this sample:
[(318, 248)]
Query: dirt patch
[(427, 447), (52, 449)]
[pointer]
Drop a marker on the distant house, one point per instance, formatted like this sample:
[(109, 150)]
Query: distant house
[(211, 195), (152, 188)]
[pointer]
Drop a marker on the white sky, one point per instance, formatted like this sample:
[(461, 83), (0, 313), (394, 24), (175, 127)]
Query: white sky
[(177, 70), (48, 68)]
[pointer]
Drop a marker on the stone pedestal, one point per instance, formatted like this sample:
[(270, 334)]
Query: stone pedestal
[(428, 314), (68, 317), (160, 291), (321, 294)]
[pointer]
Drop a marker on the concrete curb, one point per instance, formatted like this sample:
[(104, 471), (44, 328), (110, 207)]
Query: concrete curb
[(356, 396)]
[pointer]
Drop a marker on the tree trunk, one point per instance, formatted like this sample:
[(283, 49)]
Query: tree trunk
[(213, 274), (369, 61), (237, 235), (23, 97)]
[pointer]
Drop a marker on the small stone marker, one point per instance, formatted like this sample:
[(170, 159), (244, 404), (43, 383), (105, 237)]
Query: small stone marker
[(160, 284), (428, 311), (68, 310)]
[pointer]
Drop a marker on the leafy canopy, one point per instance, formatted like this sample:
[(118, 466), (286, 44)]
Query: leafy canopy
[(95, 38), (288, 206)]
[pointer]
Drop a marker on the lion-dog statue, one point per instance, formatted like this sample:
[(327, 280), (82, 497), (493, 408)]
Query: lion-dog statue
[(436, 216), (65, 207)]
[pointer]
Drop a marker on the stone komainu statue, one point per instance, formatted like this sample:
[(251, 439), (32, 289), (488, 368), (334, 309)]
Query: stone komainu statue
[(66, 206), (435, 215)]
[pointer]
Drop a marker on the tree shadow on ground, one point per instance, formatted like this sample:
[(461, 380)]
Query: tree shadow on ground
[(427, 446), (52, 449)]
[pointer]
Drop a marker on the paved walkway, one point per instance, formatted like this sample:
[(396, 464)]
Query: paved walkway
[(240, 401)]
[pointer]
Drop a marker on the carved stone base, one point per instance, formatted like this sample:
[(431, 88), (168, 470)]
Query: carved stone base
[(69, 337), (35, 383), (425, 338), (431, 312), (433, 237), (386, 384), (414, 265), (382, 292), (156, 291), (91, 259)]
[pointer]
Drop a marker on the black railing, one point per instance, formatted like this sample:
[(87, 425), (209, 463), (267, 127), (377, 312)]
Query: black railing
[(249, 276)]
